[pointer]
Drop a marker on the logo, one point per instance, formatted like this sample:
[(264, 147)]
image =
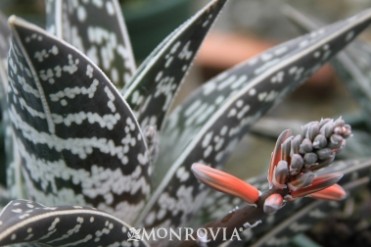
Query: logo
[(203, 235), (134, 234)]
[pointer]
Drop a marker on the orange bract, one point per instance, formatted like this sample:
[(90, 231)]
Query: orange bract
[(226, 182)]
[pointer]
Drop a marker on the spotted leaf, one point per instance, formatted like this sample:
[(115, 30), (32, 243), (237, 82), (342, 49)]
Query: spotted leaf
[(154, 86), (79, 141), (352, 64), (25, 221), (97, 29), (213, 120)]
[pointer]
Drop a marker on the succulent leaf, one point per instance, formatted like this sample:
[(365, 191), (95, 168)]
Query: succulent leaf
[(25, 221), (157, 80), (352, 64), (209, 126), (79, 141), (97, 29)]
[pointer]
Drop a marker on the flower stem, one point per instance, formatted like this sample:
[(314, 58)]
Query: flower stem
[(237, 220)]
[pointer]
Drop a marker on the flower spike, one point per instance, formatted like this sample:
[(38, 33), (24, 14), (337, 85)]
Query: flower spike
[(225, 182), (294, 169)]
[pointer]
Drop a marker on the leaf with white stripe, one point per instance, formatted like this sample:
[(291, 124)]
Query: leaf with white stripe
[(97, 29), (25, 221), (156, 82), (79, 141), (214, 129), (353, 64)]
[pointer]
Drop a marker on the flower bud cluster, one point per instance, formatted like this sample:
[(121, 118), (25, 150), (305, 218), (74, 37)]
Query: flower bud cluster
[(317, 146), (296, 158)]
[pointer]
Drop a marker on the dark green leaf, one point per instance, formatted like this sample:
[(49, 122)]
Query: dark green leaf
[(29, 222), (157, 80), (97, 29), (79, 141), (353, 64), (10, 164)]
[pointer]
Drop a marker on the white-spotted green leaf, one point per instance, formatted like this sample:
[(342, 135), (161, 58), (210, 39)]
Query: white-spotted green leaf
[(157, 80), (353, 64), (213, 129), (24, 221), (79, 141), (97, 29)]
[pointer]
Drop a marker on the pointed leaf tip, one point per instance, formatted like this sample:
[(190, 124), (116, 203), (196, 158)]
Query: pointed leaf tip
[(225, 182)]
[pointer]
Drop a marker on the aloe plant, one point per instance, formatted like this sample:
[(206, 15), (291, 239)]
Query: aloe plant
[(90, 130)]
